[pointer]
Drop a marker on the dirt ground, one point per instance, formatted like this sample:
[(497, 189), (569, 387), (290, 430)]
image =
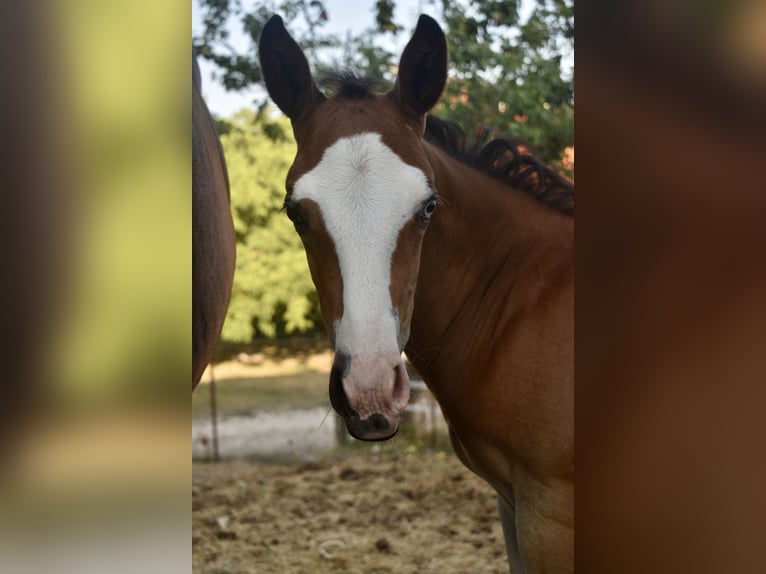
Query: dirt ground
[(360, 512)]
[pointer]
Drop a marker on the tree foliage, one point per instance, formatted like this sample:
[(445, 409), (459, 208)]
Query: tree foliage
[(272, 291), (507, 74)]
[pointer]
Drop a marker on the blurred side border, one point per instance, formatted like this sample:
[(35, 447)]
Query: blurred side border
[(670, 307), (94, 442)]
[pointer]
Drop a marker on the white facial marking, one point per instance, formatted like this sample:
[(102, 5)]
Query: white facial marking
[(366, 194)]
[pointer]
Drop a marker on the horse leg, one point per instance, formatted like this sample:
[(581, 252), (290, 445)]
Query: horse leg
[(544, 520), (508, 521)]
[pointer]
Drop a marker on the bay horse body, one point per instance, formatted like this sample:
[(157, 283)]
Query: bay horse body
[(213, 244), (413, 249)]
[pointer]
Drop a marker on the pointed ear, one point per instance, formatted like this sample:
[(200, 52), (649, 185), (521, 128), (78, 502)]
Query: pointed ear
[(422, 69), (286, 72)]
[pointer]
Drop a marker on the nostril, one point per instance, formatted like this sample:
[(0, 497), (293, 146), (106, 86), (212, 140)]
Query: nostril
[(341, 364), (376, 423), (339, 371)]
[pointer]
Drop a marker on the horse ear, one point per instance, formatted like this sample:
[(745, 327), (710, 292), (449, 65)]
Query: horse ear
[(286, 71), (422, 68)]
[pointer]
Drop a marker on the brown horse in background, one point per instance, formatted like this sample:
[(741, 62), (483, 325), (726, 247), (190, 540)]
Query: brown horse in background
[(213, 245), (463, 258)]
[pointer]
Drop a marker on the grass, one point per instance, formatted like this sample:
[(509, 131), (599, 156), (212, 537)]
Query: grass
[(278, 392)]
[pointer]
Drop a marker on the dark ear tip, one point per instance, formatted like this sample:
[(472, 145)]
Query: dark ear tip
[(272, 30), (428, 25), (274, 24)]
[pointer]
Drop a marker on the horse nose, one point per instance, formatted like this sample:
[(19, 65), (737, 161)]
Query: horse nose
[(368, 416)]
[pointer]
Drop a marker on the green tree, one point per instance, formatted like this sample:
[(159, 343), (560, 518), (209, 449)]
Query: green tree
[(507, 74), (272, 289)]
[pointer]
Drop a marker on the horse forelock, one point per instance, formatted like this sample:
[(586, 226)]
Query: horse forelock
[(354, 109), (347, 84)]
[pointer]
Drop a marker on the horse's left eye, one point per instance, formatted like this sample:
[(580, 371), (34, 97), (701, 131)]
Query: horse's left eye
[(428, 210), (294, 215)]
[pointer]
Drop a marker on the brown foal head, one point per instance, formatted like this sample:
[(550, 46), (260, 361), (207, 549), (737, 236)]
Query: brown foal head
[(360, 194)]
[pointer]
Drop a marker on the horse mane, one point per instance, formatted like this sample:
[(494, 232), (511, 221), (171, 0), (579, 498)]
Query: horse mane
[(347, 84), (508, 159)]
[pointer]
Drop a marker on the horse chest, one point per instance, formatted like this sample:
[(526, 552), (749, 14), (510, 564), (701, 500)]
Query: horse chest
[(494, 463)]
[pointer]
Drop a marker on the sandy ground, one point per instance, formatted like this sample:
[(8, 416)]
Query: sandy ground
[(362, 512)]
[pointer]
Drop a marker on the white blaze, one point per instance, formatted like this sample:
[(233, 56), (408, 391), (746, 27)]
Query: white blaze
[(366, 194)]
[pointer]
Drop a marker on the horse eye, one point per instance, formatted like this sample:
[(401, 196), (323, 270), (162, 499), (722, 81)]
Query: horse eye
[(428, 210), (294, 215)]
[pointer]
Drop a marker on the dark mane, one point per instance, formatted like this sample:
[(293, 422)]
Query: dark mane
[(347, 84), (508, 159)]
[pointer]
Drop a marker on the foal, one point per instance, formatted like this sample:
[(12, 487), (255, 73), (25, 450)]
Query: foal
[(412, 249)]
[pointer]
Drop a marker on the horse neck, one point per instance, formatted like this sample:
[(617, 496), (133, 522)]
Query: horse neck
[(490, 251)]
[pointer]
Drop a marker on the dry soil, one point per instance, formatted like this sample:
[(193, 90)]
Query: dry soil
[(367, 512)]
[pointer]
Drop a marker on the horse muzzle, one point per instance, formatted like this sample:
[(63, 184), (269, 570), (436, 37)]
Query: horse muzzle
[(370, 393)]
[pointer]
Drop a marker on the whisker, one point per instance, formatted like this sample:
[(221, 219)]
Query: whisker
[(431, 350), (325, 417)]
